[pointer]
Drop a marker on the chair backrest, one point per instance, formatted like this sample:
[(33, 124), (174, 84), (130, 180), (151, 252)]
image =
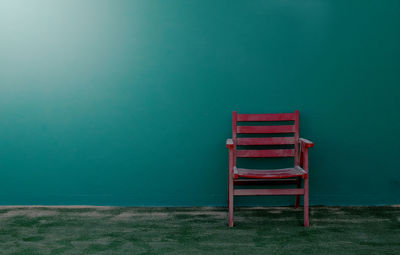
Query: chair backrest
[(273, 130)]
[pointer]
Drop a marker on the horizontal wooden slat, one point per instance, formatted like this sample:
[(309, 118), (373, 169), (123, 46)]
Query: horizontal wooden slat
[(266, 141), (248, 182), (265, 153), (266, 117), (262, 192), (266, 129)]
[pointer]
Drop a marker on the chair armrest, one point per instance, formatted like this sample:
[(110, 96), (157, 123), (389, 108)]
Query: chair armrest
[(229, 143), (306, 143), (235, 173)]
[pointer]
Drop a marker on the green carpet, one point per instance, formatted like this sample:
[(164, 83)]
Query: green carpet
[(127, 230)]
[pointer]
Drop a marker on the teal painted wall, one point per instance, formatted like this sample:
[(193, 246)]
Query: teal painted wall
[(129, 102)]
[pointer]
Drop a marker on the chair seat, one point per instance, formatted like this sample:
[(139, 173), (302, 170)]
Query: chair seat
[(271, 174)]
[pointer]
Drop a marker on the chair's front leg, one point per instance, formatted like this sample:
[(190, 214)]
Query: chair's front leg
[(230, 188), (306, 203), (306, 187)]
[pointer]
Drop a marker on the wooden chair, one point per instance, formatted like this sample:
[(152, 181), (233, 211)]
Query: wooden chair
[(280, 134)]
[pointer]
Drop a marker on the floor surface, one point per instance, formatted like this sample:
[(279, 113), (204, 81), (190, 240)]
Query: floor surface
[(128, 230)]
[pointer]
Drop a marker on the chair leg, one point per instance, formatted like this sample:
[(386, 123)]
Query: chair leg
[(298, 196), (230, 202), (306, 203)]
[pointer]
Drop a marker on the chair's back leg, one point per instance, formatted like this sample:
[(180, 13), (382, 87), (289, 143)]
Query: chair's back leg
[(298, 196)]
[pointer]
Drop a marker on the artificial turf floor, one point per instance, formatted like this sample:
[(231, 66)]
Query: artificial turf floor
[(127, 230)]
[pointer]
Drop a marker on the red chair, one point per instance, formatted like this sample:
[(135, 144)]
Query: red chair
[(280, 134)]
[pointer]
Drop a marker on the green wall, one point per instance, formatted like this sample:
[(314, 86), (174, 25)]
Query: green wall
[(129, 102)]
